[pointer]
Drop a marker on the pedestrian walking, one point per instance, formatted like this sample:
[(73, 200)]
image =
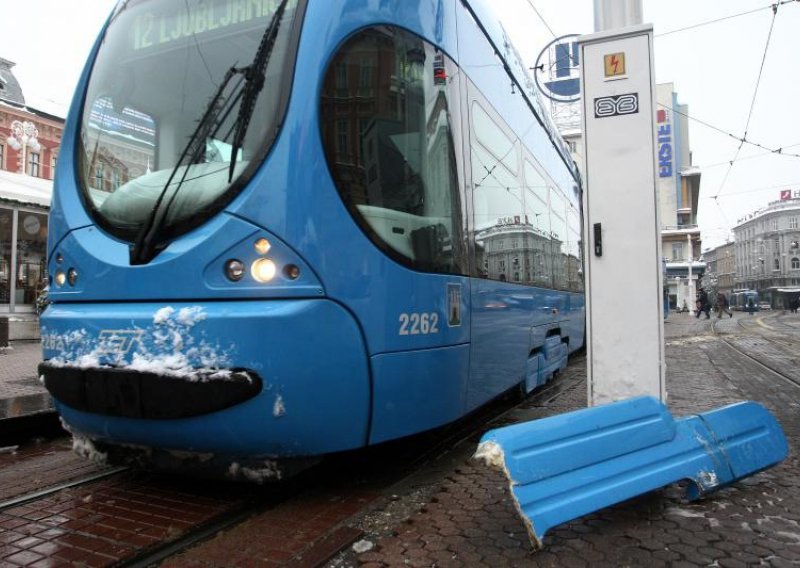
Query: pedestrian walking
[(703, 305), (722, 305)]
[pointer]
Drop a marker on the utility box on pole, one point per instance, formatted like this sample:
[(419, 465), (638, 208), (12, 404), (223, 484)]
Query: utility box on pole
[(622, 247)]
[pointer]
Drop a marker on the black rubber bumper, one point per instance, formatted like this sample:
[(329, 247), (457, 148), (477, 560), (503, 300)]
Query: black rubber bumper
[(135, 394)]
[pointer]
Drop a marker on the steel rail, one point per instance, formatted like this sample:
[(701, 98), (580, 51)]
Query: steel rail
[(33, 496), (763, 365)]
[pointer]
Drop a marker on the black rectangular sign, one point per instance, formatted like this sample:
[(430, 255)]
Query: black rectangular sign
[(605, 107)]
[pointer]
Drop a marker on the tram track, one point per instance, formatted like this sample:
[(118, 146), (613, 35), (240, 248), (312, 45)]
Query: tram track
[(123, 517), (34, 495), (762, 364)]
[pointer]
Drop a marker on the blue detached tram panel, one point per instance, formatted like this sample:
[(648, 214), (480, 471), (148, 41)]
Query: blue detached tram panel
[(288, 228)]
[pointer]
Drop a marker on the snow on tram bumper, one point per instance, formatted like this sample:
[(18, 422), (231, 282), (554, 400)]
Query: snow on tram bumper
[(238, 381)]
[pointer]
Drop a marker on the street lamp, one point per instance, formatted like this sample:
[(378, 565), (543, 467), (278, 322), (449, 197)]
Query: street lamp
[(761, 262), (24, 135)]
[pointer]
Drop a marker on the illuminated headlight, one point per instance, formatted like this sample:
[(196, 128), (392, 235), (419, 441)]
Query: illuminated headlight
[(262, 246), (263, 270), (61, 278), (72, 276), (234, 269)]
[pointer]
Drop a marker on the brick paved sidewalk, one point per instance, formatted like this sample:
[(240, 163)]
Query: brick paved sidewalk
[(466, 516)]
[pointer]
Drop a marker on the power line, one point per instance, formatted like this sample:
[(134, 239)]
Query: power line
[(754, 156), (753, 101), (706, 23), (755, 190), (779, 151), (543, 20)]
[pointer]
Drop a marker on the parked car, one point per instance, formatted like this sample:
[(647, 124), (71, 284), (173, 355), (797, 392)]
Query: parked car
[(764, 306)]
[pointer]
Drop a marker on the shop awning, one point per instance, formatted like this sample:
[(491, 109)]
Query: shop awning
[(25, 189)]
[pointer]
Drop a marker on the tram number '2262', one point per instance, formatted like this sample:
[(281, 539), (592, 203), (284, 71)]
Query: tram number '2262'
[(419, 324)]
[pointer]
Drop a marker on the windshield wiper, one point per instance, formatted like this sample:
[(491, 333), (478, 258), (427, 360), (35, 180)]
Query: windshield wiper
[(255, 75), (147, 244), (143, 249)]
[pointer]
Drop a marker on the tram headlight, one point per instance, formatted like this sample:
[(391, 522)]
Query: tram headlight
[(234, 269), (61, 278), (72, 276), (292, 271), (263, 270), (262, 246)]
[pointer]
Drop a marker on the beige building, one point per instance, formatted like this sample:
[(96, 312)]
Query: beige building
[(721, 266), (767, 251)]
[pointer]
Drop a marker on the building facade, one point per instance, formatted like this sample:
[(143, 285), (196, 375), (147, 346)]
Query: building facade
[(721, 267), (768, 251), (678, 191), (29, 145)]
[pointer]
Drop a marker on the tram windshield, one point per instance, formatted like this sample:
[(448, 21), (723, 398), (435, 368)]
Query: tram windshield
[(184, 100)]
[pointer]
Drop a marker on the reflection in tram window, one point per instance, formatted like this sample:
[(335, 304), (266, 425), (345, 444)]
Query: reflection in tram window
[(386, 128), (539, 254), (558, 238), (497, 198)]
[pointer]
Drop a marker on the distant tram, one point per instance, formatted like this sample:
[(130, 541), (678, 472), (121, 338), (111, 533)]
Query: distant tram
[(744, 300), (288, 228)]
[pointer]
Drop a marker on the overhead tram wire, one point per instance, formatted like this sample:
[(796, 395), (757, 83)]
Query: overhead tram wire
[(530, 3), (756, 189), (753, 157), (706, 23), (779, 151), (752, 102)]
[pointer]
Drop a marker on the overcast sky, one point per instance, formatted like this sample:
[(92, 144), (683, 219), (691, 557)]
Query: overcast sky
[(714, 67)]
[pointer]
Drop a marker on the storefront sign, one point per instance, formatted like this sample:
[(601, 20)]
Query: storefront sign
[(664, 144)]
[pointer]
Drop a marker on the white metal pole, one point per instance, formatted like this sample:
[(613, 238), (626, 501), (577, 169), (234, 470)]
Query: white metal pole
[(692, 304), (614, 14)]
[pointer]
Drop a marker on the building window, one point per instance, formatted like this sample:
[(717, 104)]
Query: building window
[(53, 163), (33, 164), (774, 224), (341, 137), (796, 263), (677, 251), (2, 157), (776, 265), (98, 177), (341, 79), (792, 222)]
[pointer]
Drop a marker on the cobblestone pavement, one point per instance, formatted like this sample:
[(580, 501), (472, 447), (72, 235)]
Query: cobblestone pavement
[(459, 513), (18, 375), (21, 393)]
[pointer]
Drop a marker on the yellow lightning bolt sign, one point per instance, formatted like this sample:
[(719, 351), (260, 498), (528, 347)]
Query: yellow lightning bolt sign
[(614, 64)]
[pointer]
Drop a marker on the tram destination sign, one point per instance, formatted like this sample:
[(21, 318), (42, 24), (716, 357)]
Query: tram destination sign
[(605, 107)]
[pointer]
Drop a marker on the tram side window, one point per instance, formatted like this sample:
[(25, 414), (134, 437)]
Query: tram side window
[(385, 125), (497, 199), (574, 252), (558, 238), (538, 250)]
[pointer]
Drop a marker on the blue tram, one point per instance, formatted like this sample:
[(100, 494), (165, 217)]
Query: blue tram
[(744, 300), (285, 228)]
